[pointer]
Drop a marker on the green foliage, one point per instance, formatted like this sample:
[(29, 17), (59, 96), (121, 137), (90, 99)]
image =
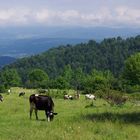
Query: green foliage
[(10, 77), (67, 76), (132, 69), (132, 89), (109, 54), (61, 83), (37, 78), (2, 89), (57, 93), (72, 66), (98, 80), (131, 74), (78, 79)]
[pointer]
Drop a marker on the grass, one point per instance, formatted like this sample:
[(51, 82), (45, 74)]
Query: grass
[(76, 120)]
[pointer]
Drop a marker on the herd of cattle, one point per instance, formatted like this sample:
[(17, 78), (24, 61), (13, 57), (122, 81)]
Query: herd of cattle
[(43, 102)]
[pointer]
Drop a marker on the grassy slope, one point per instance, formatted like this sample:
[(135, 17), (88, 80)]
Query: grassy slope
[(74, 121)]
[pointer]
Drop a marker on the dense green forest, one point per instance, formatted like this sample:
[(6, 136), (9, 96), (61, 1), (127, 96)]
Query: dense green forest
[(98, 64)]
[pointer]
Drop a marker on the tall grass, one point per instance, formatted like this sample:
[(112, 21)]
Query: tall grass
[(76, 120)]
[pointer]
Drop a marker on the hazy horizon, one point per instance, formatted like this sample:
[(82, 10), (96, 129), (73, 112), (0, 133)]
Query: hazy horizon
[(67, 19)]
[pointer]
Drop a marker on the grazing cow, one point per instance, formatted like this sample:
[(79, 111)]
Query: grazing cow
[(70, 97), (90, 96), (42, 102), (21, 94), (66, 97), (1, 98)]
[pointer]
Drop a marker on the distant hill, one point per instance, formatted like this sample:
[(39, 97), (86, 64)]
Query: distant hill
[(109, 54), (26, 47), (96, 33), (25, 41), (5, 60)]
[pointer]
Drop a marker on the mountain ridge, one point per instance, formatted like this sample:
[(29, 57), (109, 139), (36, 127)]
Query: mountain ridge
[(109, 54)]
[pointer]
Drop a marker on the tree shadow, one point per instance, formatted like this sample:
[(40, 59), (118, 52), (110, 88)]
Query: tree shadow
[(133, 117)]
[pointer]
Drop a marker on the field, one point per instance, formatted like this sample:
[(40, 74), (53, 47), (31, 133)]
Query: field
[(76, 120)]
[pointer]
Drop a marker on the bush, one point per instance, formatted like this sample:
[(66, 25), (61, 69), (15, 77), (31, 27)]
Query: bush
[(113, 97), (57, 93)]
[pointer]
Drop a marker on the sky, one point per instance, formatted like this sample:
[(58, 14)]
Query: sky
[(83, 13)]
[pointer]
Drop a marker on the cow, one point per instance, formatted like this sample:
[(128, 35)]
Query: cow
[(90, 96), (21, 94), (42, 102), (66, 97), (1, 98)]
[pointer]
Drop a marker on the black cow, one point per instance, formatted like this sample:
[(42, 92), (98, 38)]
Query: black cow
[(1, 98), (21, 94), (42, 102)]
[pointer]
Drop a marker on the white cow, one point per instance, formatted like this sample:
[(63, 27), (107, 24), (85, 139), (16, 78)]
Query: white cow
[(90, 96), (66, 97)]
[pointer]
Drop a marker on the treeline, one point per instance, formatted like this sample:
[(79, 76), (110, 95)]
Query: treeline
[(88, 66)]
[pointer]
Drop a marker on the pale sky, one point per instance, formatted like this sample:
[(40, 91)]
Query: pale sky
[(86, 13)]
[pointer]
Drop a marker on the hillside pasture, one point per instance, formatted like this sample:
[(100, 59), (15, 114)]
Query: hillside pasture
[(76, 120)]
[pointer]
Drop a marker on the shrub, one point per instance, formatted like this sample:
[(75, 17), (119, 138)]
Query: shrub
[(113, 97), (57, 93)]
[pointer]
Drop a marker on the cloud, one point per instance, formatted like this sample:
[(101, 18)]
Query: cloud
[(127, 15), (119, 16), (15, 16)]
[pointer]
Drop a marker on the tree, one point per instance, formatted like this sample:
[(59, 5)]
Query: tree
[(37, 78), (10, 77), (67, 75), (131, 71), (98, 80), (77, 78), (61, 83)]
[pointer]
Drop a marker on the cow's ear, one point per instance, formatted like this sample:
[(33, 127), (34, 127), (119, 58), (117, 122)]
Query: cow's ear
[(55, 113)]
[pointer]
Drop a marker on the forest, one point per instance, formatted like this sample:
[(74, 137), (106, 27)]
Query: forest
[(113, 63)]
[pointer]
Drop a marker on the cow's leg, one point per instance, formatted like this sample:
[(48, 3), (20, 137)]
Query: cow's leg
[(36, 114), (48, 119), (47, 115), (31, 110)]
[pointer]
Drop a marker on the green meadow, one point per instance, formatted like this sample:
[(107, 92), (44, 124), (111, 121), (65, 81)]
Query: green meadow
[(76, 120)]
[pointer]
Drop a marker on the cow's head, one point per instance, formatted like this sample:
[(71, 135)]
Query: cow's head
[(50, 115)]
